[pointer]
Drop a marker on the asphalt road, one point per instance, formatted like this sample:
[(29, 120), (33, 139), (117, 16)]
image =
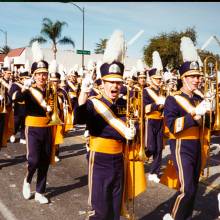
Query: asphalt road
[(67, 187)]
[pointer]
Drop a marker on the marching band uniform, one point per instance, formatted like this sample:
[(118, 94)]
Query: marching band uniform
[(182, 113), (105, 119), (153, 103), (38, 132), (7, 118), (19, 109)]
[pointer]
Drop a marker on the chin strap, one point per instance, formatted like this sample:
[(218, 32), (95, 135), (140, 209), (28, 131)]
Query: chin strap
[(187, 85)]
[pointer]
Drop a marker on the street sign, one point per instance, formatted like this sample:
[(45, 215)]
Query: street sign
[(85, 52)]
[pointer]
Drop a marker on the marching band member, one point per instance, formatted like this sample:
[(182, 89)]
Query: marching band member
[(38, 132), (154, 103), (19, 107), (183, 114), (6, 111), (141, 73), (105, 119)]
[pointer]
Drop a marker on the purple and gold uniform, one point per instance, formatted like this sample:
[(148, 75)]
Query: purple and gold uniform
[(105, 157), (153, 128), (19, 109), (38, 136), (185, 145)]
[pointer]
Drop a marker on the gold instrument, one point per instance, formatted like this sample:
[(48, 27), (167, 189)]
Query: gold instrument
[(210, 88), (3, 94), (134, 114), (52, 97)]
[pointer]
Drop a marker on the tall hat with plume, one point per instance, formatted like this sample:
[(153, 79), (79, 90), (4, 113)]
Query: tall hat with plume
[(53, 71), (190, 64), (24, 71), (7, 64), (39, 65), (141, 68), (157, 66), (112, 68), (62, 72)]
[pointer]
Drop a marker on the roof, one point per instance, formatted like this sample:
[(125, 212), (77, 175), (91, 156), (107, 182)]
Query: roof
[(15, 52), (2, 56)]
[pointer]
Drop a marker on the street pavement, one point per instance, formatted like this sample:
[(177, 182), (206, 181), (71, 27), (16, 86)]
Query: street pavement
[(67, 186)]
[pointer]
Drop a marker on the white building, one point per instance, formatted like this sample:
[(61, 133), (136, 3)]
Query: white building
[(67, 58)]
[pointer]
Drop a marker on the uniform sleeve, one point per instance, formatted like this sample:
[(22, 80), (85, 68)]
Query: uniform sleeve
[(173, 119), (83, 112), (150, 105)]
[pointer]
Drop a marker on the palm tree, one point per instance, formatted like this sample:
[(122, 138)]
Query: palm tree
[(53, 31), (100, 47), (5, 49)]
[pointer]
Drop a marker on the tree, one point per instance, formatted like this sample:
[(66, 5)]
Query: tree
[(5, 49), (53, 31), (168, 46), (100, 47)]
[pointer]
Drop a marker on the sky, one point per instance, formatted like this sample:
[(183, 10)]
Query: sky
[(23, 21)]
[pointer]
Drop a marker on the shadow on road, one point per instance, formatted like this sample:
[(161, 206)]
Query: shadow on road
[(54, 191)]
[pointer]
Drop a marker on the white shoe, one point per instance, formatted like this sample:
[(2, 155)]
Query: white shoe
[(57, 159), (12, 139), (167, 217), (26, 189), (40, 198), (22, 141), (154, 178)]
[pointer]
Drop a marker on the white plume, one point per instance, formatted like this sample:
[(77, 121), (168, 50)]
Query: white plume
[(200, 61), (98, 72), (188, 50), (27, 66), (157, 63), (61, 72), (71, 71), (115, 48), (91, 65), (7, 62), (140, 66), (37, 52), (21, 69), (53, 67), (75, 68), (167, 75), (81, 72)]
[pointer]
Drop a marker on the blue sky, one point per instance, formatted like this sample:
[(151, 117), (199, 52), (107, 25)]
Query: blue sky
[(23, 21)]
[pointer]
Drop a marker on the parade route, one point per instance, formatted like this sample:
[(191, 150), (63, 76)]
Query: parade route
[(67, 187)]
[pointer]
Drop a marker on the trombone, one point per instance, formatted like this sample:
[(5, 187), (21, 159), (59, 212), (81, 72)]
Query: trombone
[(211, 87)]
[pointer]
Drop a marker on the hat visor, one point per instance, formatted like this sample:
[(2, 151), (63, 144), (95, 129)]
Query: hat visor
[(112, 79), (41, 70), (156, 77), (192, 73)]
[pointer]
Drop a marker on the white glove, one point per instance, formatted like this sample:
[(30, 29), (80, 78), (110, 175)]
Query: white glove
[(87, 85), (1, 97), (49, 109), (28, 83), (160, 100), (203, 107), (130, 133)]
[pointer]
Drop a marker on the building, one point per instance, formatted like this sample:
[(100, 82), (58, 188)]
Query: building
[(68, 58)]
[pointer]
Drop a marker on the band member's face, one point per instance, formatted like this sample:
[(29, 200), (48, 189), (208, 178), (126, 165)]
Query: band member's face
[(112, 89), (7, 75), (192, 81), (142, 80), (41, 79), (157, 81)]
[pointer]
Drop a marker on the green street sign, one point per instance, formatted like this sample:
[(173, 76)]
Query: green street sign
[(85, 52)]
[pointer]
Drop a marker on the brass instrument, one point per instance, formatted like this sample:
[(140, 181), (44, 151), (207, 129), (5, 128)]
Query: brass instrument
[(3, 101), (51, 96), (134, 114), (211, 87)]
